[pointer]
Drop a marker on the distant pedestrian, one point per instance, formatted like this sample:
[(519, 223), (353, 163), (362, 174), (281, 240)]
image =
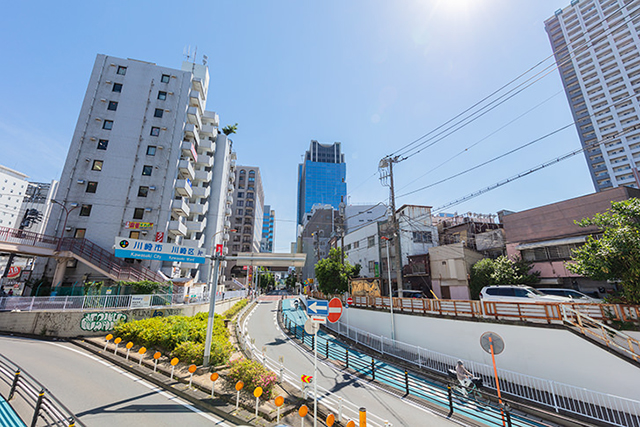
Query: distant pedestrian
[(10, 292)]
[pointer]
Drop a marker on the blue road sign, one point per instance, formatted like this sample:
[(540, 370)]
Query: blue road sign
[(317, 307)]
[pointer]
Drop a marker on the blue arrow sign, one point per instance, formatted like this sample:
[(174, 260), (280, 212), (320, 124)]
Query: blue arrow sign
[(317, 307)]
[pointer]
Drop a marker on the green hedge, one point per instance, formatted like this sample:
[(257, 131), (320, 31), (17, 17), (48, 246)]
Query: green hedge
[(253, 375), (181, 336)]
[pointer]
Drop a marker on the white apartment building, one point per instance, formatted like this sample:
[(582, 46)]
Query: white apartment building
[(141, 164), (595, 43), (357, 216), (13, 187)]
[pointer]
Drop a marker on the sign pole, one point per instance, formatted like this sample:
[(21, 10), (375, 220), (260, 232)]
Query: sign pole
[(213, 287), (315, 376)]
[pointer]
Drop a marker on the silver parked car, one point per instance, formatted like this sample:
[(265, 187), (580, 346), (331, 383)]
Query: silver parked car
[(517, 293), (576, 296)]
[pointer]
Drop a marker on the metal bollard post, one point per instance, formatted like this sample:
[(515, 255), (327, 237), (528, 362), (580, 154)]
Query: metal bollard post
[(14, 384), (36, 411), (406, 380), (373, 369), (340, 410), (313, 342), (363, 417), (326, 348), (347, 359), (450, 396)]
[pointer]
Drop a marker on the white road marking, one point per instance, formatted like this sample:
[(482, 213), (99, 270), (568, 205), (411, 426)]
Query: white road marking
[(150, 386)]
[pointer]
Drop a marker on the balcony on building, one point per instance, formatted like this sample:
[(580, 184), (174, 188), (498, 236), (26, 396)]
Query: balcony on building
[(196, 226), (212, 118), (181, 207), (195, 100), (203, 175), (183, 188), (191, 132), (208, 130), (197, 84), (227, 224), (206, 145), (229, 199), (193, 117), (189, 150), (200, 192), (199, 209), (204, 160), (178, 227), (193, 241), (186, 169), (228, 211)]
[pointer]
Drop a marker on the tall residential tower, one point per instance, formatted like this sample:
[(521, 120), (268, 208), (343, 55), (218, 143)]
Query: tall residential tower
[(595, 43)]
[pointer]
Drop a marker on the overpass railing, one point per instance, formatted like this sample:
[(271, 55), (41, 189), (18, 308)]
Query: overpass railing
[(32, 399), (24, 237), (101, 302)]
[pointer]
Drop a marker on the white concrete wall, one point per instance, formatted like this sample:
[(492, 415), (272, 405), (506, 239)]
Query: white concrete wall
[(549, 353), (78, 323)]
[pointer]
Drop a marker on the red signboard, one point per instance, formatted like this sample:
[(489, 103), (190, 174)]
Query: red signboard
[(349, 301), (14, 272), (219, 249), (335, 310), (159, 236)]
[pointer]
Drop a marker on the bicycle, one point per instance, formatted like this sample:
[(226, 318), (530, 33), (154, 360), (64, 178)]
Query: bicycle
[(471, 391)]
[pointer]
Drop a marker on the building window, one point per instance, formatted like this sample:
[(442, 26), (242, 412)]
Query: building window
[(97, 165), (108, 124), (143, 191), (249, 195), (102, 144), (85, 210), (371, 241), (121, 70), (155, 131), (162, 95), (146, 170), (236, 248), (92, 186), (240, 203), (372, 266), (80, 233), (165, 78), (240, 212), (151, 150), (422, 237), (113, 106), (138, 213), (134, 234), (240, 194), (117, 87), (249, 203), (158, 113)]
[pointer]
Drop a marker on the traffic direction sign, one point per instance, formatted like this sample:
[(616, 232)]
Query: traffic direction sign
[(349, 301), (306, 378), (317, 307), (335, 310)]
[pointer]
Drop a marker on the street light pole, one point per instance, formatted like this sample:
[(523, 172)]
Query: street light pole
[(66, 217), (393, 328), (213, 288)]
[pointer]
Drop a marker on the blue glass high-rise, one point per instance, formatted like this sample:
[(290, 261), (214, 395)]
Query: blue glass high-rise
[(321, 178)]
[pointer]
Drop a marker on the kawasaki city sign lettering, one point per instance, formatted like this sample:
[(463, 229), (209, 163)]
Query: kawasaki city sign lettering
[(144, 249)]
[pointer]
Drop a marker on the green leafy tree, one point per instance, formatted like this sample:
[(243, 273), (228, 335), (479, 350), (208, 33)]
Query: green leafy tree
[(501, 271), (229, 129), (266, 280), (332, 275), (615, 255)]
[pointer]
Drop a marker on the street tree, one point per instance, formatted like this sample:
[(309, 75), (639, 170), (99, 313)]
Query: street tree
[(501, 271), (614, 254), (332, 275), (229, 129)]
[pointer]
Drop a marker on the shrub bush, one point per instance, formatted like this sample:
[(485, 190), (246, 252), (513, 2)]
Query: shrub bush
[(235, 309), (253, 375)]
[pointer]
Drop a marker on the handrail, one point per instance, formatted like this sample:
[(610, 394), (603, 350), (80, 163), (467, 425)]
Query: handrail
[(591, 327), (45, 405)]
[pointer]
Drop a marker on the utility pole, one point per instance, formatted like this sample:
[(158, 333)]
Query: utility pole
[(385, 168), (342, 226)]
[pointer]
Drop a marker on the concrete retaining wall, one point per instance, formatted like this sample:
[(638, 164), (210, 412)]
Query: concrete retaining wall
[(549, 353), (69, 324)]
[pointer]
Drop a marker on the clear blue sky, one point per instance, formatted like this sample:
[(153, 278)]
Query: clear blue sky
[(374, 75)]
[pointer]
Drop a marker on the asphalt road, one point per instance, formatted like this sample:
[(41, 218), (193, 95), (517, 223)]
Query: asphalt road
[(99, 393), (262, 327)]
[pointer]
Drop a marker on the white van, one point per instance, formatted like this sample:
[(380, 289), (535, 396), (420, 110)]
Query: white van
[(517, 293)]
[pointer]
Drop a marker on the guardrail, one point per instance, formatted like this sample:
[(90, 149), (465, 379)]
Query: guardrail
[(536, 312), (101, 302), (18, 386), (562, 398)]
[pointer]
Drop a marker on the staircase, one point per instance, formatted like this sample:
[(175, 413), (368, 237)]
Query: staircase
[(621, 343)]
